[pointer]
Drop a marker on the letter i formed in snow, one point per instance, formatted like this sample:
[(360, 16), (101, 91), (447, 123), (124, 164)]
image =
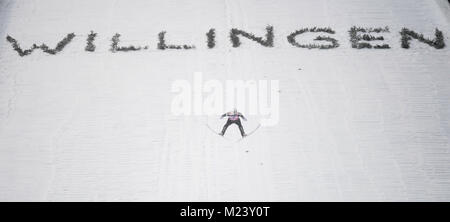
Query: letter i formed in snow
[(90, 47), (211, 38)]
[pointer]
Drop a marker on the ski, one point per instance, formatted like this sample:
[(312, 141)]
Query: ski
[(215, 132), (250, 133)]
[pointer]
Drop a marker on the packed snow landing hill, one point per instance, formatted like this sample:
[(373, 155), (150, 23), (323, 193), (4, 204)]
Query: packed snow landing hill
[(345, 100)]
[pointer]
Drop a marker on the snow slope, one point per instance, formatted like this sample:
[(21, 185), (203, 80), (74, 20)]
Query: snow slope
[(355, 125)]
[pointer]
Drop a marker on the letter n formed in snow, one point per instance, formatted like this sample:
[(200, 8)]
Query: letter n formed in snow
[(268, 42), (408, 35)]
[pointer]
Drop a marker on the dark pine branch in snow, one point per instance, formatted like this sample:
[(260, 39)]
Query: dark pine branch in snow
[(267, 42), (90, 47), (211, 38), (356, 39), (115, 45), (360, 38), (162, 43), (408, 35), (59, 47), (334, 43)]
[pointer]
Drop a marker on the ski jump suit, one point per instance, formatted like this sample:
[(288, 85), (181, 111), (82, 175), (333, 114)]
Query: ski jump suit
[(233, 118)]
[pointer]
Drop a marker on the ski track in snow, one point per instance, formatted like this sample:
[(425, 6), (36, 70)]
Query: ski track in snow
[(355, 125)]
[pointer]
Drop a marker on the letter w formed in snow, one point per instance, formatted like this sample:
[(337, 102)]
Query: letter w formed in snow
[(59, 47)]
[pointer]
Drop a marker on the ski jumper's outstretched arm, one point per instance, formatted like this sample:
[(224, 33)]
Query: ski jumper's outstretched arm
[(242, 116), (223, 115)]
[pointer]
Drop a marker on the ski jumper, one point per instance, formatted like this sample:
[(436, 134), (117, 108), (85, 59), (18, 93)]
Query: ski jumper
[(233, 118)]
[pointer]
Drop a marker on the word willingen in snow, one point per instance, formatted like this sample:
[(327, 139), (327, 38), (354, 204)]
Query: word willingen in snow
[(359, 37)]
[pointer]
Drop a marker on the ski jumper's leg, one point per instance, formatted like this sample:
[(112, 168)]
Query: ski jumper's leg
[(240, 127), (225, 127)]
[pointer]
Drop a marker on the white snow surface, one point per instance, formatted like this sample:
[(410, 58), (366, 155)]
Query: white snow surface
[(355, 125)]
